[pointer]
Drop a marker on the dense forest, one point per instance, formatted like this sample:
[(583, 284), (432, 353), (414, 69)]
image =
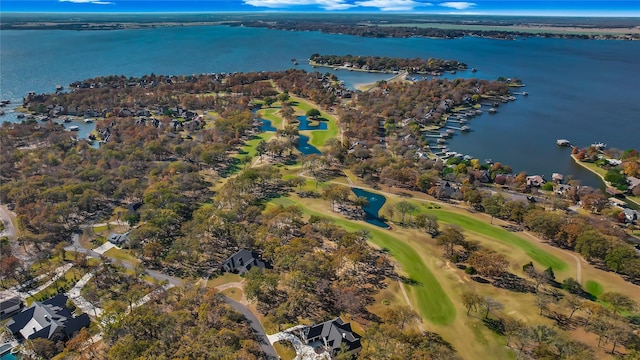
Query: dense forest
[(400, 31)]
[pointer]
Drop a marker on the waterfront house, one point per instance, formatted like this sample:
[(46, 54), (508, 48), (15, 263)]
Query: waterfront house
[(332, 336), (617, 202), (535, 181), (242, 261), (633, 182), (50, 319), (557, 178), (613, 191)]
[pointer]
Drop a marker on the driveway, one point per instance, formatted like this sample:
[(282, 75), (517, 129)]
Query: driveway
[(9, 230), (261, 335)]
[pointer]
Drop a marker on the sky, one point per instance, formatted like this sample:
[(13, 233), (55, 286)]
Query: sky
[(591, 8)]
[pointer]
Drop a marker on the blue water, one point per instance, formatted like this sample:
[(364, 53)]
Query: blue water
[(304, 124), (373, 207), (304, 147), (8, 356), (584, 91), (266, 125)]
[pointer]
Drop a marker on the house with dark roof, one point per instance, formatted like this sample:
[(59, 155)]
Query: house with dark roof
[(50, 319), (9, 304), (118, 239), (242, 261), (332, 336)]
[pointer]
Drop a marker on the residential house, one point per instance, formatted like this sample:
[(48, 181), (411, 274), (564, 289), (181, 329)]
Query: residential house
[(617, 202), (485, 177), (557, 178), (9, 304), (630, 215), (50, 319), (118, 239), (445, 190), (535, 181), (332, 336), (243, 260), (633, 182)]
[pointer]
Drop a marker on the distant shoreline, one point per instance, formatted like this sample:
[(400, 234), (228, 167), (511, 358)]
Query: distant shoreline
[(498, 31)]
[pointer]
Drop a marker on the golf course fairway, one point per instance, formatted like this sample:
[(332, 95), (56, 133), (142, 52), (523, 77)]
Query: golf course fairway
[(432, 302), (538, 255)]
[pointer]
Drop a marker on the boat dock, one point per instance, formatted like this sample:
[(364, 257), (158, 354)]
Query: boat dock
[(463, 128)]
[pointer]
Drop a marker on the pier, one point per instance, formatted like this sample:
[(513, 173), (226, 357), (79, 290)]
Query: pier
[(463, 128)]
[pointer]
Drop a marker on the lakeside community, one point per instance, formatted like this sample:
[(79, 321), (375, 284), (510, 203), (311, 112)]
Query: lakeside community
[(335, 218)]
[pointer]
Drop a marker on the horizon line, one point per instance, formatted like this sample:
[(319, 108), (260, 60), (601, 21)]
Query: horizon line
[(610, 15)]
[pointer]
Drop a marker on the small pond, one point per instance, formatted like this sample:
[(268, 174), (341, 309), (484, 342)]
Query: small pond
[(304, 124), (372, 209), (304, 147)]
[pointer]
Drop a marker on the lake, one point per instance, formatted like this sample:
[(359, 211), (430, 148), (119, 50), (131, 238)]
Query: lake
[(584, 91)]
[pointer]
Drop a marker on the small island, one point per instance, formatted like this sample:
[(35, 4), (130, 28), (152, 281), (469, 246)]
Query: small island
[(388, 64)]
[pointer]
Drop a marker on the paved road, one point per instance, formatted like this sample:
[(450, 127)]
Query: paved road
[(9, 230), (261, 335)]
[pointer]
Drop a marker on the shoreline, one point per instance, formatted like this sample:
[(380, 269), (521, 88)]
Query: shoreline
[(606, 183), (398, 72), (590, 170), (347, 68)]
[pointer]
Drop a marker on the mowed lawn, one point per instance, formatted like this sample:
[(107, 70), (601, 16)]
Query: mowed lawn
[(537, 254), (432, 301), (271, 115), (249, 147)]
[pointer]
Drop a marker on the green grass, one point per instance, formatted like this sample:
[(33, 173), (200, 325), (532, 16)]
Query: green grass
[(594, 288), (249, 147), (318, 137), (61, 285), (432, 301), (270, 114), (540, 256), (122, 255)]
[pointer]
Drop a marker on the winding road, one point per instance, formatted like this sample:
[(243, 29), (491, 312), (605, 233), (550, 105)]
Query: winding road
[(260, 334)]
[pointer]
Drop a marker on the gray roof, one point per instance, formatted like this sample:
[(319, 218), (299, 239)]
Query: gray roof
[(118, 238), (334, 333), (48, 319), (243, 260)]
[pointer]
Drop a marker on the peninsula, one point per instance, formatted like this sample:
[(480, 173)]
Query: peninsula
[(308, 207)]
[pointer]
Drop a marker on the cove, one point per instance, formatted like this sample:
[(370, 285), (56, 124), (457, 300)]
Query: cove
[(375, 202)]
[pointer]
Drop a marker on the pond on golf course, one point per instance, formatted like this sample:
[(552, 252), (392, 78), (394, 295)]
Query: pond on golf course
[(373, 207)]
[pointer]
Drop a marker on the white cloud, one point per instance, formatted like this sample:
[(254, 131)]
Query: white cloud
[(325, 4), (460, 5), (96, 2), (391, 5)]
